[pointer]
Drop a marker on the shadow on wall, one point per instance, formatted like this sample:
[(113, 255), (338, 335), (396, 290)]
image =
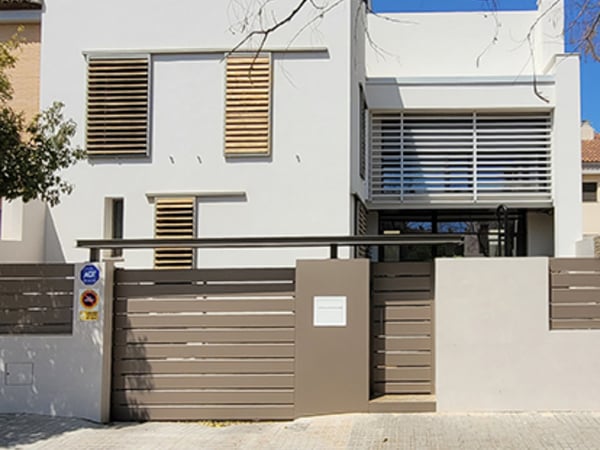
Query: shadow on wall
[(24, 429), (53, 252)]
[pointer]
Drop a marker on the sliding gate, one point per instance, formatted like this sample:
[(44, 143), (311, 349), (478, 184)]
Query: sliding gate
[(402, 360), (203, 344)]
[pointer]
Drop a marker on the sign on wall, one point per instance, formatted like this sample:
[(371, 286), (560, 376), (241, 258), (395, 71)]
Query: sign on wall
[(89, 295)]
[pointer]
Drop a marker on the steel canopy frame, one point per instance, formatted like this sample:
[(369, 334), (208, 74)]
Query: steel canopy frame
[(333, 242)]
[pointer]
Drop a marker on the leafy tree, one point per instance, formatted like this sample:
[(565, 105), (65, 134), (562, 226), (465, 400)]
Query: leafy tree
[(32, 154)]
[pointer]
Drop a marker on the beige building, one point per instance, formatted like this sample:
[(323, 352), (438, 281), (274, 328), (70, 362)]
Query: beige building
[(25, 77), (22, 225), (590, 159)]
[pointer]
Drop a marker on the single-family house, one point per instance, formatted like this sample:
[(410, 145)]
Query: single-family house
[(349, 123), (590, 164)]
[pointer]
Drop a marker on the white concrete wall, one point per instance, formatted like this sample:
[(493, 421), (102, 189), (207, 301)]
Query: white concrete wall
[(566, 162), (454, 44), (303, 189), (459, 94), (22, 231), (494, 350), (71, 374)]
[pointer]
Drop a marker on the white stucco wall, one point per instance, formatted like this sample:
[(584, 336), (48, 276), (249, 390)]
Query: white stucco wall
[(453, 44), (494, 350), (566, 162), (303, 189), (71, 373), (22, 231)]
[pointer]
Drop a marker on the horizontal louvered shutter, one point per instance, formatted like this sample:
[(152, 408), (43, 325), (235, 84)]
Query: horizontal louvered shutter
[(361, 227), (174, 220), (117, 106), (461, 158), (248, 106)]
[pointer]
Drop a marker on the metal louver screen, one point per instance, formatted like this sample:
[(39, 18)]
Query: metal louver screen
[(117, 108), (174, 220), (248, 106), (461, 158), (361, 227)]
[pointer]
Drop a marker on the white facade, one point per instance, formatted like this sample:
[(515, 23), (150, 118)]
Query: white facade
[(488, 63), (433, 62)]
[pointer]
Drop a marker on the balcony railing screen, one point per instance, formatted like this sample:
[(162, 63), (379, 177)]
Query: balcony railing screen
[(461, 158)]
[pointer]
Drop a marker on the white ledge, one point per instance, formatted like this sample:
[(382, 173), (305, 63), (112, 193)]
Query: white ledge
[(462, 81), (200, 195), (200, 51)]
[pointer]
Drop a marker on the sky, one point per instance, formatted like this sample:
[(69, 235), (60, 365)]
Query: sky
[(590, 69)]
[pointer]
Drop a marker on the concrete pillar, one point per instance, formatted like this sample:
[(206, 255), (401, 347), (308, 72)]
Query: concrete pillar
[(332, 337)]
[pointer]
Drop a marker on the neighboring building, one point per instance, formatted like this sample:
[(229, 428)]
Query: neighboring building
[(22, 226), (590, 163), (318, 134)]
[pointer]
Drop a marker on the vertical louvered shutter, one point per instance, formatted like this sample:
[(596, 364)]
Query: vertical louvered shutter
[(248, 106), (174, 220), (461, 158), (361, 226), (363, 135), (117, 106)]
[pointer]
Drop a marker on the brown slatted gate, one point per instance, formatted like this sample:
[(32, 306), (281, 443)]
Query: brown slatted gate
[(203, 344), (402, 328)]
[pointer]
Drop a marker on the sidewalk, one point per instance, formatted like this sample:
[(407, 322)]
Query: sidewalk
[(355, 431)]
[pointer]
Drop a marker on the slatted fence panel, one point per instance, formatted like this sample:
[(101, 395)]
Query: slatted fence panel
[(203, 344), (574, 293), (402, 328), (36, 298)]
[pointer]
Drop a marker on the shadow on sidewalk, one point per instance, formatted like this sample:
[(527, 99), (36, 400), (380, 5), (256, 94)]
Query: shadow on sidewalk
[(22, 429)]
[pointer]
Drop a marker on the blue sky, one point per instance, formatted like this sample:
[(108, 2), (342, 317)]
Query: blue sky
[(590, 70)]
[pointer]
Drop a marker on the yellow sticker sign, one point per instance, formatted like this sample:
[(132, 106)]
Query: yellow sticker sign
[(88, 316)]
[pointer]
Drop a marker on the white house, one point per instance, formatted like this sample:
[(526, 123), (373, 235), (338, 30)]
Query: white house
[(422, 123)]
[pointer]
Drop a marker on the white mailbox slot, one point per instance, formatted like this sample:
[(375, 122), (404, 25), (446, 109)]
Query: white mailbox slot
[(329, 311)]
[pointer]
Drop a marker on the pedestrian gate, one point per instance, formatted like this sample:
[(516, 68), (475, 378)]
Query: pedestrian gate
[(402, 360)]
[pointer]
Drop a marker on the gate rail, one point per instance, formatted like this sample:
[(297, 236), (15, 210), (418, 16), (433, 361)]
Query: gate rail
[(333, 242)]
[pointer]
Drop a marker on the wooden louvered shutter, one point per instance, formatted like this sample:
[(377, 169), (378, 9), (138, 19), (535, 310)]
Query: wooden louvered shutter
[(174, 220), (248, 106), (117, 106)]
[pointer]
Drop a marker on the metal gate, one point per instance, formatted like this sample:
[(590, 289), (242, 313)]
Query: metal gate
[(402, 328), (203, 344)]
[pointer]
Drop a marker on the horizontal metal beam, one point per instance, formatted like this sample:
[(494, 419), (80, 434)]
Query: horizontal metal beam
[(333, 242), (266, 242)]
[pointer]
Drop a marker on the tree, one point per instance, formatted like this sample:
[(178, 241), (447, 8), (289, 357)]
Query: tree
[(583, 30), (32, 154), (255, 21)]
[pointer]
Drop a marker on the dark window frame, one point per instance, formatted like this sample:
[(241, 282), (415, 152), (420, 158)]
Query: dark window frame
[(590, 194)]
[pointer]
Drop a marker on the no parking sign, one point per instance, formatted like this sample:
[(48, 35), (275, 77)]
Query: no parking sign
[(89, 292)]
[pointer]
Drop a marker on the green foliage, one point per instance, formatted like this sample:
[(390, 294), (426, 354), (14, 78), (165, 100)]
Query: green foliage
[(32, 155)]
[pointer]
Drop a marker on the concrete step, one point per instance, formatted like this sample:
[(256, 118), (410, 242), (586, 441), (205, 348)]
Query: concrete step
[(402, 404)]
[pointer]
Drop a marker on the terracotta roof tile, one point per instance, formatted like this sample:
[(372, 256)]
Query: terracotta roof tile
[(590, 150)]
